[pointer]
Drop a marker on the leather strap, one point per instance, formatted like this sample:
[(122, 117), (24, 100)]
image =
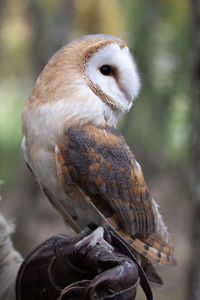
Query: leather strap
[(116, 242)]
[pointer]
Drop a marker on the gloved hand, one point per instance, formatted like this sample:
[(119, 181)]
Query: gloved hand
[(83, 267)]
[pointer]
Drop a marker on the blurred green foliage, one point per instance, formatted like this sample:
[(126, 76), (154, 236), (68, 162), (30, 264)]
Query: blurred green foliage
[(158, 33)]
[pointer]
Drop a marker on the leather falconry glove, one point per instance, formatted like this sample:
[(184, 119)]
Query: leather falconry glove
[(94, 266)]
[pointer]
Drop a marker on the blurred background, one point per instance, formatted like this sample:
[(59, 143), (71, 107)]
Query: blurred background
[(162, 128)]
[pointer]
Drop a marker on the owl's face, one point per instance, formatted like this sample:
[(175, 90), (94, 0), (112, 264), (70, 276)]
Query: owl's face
[(111, 74)]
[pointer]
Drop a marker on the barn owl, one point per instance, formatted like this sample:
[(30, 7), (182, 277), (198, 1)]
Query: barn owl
[(81, 161)]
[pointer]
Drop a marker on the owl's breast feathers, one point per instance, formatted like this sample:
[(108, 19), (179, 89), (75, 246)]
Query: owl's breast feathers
[(100, 162)]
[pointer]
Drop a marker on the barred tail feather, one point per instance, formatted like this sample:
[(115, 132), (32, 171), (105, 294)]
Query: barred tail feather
[(150, 247), (154, 252)]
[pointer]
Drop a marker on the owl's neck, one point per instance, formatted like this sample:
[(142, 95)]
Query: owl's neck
[(91, 111), (52, 119)]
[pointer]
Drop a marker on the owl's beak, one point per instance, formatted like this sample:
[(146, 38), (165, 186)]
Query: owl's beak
[(126, 95), (129, 98)]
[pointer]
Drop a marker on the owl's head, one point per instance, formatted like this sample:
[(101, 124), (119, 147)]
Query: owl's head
[(93, 78)]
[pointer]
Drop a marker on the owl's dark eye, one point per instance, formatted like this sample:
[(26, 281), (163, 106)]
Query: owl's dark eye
[(106, 70)]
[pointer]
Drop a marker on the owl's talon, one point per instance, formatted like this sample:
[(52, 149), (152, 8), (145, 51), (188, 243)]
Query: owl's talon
[(96, 237)]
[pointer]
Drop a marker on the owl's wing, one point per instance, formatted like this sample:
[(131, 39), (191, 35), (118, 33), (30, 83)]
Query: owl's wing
[(100, 162)]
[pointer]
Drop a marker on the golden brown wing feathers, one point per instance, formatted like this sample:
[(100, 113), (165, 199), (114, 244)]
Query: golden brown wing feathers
[(100, 162)]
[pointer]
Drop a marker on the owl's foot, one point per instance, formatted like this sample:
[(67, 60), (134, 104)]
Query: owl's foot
[(96, 237)]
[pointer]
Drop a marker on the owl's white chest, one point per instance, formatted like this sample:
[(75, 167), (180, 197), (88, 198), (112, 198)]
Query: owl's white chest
[(45, 126)]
